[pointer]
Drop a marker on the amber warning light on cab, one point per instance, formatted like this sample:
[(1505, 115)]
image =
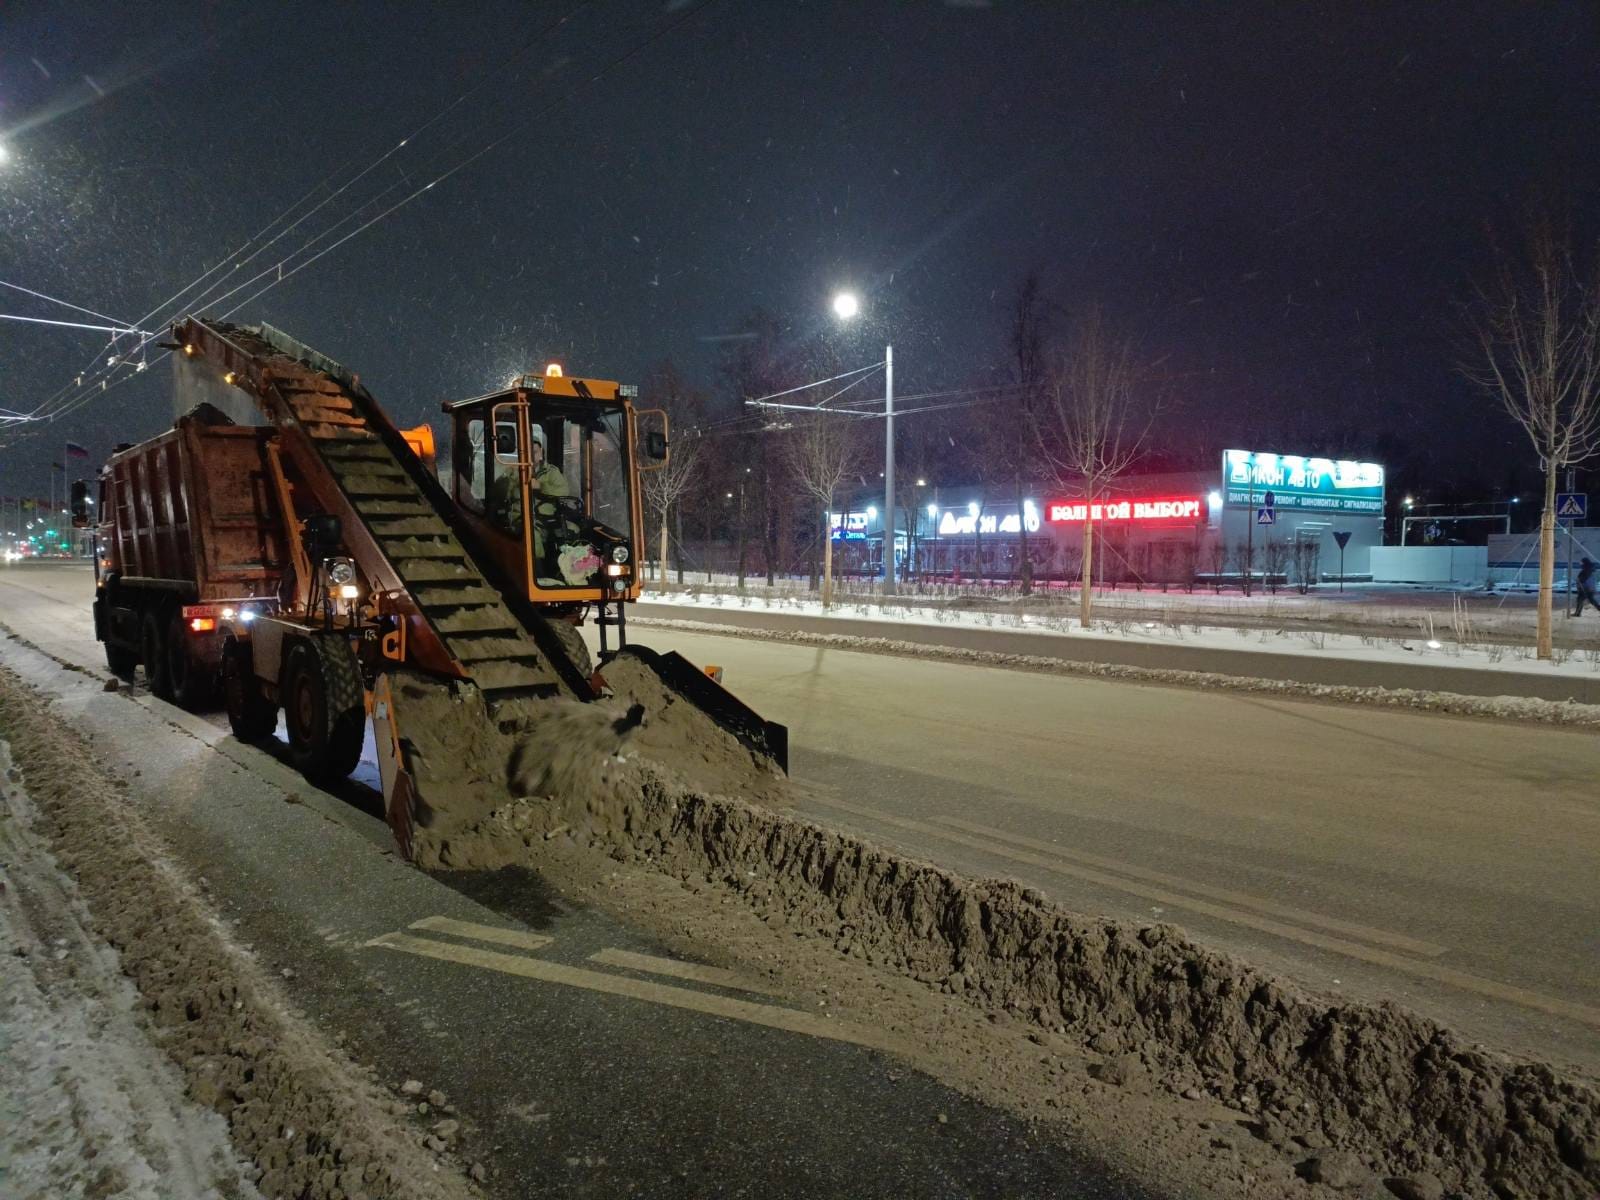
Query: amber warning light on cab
[(1173, 508)]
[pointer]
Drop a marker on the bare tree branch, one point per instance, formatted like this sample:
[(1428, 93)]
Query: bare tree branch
[(1091, 420), (1533, 344), (823, 449)]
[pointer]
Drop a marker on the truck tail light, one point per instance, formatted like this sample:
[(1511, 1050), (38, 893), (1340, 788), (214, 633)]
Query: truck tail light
[(202, 624)]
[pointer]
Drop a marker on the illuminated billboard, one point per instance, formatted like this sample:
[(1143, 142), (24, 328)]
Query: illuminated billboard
[(1177, 509), (1299, 482)]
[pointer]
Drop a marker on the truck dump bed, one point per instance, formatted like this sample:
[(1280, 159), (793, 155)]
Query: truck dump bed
[(191, 511)]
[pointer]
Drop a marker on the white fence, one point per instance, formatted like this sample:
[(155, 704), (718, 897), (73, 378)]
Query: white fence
[(1430, 564)]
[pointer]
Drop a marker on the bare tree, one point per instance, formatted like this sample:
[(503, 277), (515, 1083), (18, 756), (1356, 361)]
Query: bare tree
[(823, 449), (1307, 557), (665, 487), (1274, 561), (1028, 336), (1217, 560), (1534, 328), (1090, 423)]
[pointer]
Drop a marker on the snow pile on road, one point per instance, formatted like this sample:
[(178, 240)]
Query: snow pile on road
[(91, 1105), (311, 1126), (470, 757), (1513, 708), (1375, 1082)]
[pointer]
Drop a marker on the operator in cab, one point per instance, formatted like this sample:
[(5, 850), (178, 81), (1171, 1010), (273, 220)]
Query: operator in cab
[(544, 479)]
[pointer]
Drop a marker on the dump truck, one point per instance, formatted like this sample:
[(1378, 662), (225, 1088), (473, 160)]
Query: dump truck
[(314, 564)]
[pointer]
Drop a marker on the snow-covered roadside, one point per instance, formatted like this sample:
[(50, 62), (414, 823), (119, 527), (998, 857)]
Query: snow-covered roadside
[(1505, 708), (90, 1105), (1172, 625)]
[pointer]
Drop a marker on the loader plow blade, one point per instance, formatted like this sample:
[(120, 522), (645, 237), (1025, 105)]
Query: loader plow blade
[(680, 676)]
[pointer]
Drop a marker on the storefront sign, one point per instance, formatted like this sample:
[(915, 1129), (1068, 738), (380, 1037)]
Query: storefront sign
[(1174, 508), (1316, 484), (957, 524), (848, 527)]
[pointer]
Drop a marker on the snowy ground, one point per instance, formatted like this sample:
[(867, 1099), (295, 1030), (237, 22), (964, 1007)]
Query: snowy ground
[(90, 1105), (1172, 619), (1450, 612)]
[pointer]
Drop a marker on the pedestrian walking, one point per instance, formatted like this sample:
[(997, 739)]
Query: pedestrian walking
[(1586, 586)]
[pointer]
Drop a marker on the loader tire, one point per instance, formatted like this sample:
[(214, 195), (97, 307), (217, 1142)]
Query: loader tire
[(252, 717), (153, 651), (324, 708)]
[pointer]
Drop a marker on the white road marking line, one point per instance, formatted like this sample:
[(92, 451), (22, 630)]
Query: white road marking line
[(695, 972), (637, 989), (1570, 1009), (519, 938), (1362, 933)]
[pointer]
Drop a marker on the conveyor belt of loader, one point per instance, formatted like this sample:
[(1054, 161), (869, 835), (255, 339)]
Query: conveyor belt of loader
[(469, 614)]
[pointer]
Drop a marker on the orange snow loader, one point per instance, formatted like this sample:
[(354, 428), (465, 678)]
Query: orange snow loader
[(317, 563)]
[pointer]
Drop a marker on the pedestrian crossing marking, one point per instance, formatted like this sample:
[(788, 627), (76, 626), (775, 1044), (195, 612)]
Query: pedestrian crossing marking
[(694, 972), (546, 971), (521, 939)]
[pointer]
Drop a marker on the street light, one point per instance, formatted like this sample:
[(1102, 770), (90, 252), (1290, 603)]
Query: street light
[(845, 307)]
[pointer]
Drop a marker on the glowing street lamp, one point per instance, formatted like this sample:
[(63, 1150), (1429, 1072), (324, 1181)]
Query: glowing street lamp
[(845, 305)]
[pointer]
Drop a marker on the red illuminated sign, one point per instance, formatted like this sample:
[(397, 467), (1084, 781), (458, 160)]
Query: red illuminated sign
[(1167, 508)]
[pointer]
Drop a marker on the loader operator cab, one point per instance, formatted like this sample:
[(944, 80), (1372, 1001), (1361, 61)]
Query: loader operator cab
[(545, 471)]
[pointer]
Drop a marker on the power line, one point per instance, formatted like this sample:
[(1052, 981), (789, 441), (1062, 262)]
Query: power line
[(232, 256), (476, 155), (67, 324), (815, 383), (663, 31), (17, 287)]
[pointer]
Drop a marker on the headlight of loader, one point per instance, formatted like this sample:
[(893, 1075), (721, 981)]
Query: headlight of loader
[(341, 571), (619, 554)]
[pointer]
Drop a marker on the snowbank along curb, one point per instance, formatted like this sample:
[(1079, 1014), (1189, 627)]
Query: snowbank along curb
[(309, 1123), (1398, 1090), (1514, 708)]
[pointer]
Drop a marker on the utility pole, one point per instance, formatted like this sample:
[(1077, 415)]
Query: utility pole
[(888, 471)]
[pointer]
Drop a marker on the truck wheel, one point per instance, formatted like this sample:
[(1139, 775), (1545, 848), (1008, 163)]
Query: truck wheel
[(153, 652), (192, 685), (324, 708), (251, 715), (121, 661)]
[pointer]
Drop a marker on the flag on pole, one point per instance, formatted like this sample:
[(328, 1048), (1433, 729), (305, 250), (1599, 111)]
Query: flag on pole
[(76, 451)]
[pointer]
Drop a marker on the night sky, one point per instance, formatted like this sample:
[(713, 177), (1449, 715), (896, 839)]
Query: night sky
[(1279, 201)]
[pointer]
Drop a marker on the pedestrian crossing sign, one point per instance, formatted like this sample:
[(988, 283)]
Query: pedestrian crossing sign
[(1572, 506), (1265, 516)]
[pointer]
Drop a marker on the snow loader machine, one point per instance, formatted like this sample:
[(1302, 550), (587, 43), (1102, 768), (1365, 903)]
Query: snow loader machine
[(443, 616)]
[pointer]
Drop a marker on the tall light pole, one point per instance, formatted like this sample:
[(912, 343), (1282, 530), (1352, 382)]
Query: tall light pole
[(845, 307)]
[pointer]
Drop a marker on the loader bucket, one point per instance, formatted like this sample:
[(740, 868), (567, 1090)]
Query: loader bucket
[(679, 675)]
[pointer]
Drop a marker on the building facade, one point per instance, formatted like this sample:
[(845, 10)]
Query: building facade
[(1280, 517)]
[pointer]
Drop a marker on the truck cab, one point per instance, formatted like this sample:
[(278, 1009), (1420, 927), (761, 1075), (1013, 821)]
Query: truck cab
[(543, 472)]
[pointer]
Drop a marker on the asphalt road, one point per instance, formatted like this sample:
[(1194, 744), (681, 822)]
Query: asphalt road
[(1446, 863), (585, 1059)]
